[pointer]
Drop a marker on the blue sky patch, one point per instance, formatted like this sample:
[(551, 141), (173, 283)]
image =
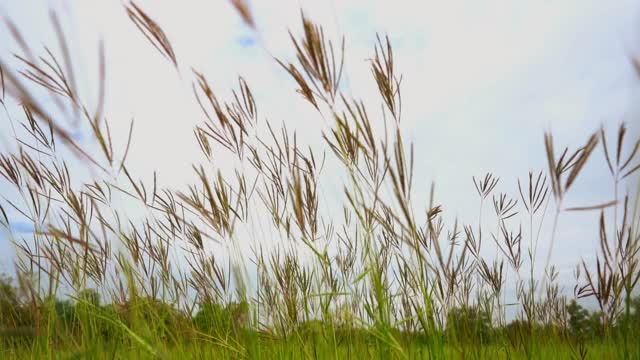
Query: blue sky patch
[(246, 41)]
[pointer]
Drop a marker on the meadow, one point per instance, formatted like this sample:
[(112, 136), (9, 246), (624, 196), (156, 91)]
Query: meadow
[(384, 277)]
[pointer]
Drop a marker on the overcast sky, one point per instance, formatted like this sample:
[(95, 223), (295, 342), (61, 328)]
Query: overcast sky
[(482, 82)]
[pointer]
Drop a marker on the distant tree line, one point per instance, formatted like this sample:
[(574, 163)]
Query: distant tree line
[(19, 320)]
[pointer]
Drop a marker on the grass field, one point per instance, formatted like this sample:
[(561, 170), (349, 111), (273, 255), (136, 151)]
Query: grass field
[(385, 276)]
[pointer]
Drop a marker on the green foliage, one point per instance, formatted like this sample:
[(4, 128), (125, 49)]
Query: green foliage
[(12, 312), (212, 317), (582, 323), (89, 296), (469, 325), (158, 321), (516, 332)]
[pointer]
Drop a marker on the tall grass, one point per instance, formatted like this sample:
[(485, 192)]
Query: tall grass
[(385, 278)]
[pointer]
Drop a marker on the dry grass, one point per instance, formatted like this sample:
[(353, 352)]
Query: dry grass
[(379, 274)]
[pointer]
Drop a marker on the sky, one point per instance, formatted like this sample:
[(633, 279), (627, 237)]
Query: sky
[(482, 82)]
